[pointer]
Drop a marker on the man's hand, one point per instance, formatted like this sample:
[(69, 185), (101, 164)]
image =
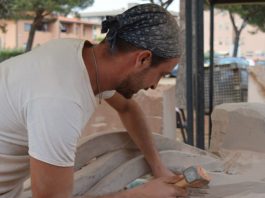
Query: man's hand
[(160, 170), (163, 187)]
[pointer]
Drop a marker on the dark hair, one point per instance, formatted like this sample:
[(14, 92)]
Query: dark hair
[(122, 46)]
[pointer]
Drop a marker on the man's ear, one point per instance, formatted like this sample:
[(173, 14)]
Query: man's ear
[(144, 59)]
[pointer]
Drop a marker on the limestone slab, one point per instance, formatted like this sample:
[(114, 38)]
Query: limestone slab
[(256, 84), (89, 175), (99, 144), (238, 126), (138, 167)]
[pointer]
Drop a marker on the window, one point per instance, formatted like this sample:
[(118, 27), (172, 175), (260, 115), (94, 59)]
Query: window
[(44, 27), (77, 29), (85, 32), (66, 27), (27, 27), (63, 27)]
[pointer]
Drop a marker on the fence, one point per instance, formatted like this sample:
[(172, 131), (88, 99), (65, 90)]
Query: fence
[(230, 85)]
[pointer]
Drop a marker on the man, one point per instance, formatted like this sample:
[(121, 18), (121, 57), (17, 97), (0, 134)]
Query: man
[(48, 94)]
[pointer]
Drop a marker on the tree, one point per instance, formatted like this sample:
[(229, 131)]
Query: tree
[(38, 10), (250, 14), (4, 13), (164, 4)]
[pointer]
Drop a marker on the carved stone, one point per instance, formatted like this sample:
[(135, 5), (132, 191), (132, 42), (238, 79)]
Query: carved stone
[(99, 144), (91, 174), (138, 167)]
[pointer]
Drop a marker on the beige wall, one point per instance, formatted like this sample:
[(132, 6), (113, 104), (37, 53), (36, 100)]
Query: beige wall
[(223, 36), (7, 39)]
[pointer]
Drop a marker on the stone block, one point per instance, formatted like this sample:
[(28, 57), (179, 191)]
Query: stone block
[(137, 167), (98, 168), (239, 126), (158, 106), (256, 84), (98, 144)]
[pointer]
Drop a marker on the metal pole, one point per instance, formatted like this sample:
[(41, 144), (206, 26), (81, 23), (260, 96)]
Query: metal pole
[(211, 73), (200, 76), (189, 81)]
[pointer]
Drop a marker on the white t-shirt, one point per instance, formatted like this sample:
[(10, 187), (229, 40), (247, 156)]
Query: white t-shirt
[(45, 100)]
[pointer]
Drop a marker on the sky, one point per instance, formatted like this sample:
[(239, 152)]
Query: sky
[(107, 5)]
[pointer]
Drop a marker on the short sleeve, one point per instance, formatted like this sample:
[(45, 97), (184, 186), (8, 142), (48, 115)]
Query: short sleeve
[(108, 94), (54, 127)]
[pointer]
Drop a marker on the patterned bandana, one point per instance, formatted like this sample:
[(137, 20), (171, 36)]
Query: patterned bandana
[(147, 26)]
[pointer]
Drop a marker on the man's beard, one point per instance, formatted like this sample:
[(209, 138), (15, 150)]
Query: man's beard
[(125, 90), (131, 85)]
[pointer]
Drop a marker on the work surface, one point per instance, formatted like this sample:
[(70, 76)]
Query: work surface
[(242, 176), (239, 174)]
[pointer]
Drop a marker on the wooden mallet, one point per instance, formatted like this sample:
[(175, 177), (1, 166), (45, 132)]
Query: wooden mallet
[(195, 177)]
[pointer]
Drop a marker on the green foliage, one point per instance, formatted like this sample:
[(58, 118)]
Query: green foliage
[(253, 14), (4, 13), (6, 54)]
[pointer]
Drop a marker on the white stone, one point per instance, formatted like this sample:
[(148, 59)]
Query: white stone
[(98, 144), (256, 84), (137, 167), (98, 168), (239, 126)]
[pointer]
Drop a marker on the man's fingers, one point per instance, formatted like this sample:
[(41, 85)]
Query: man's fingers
[(173, 179), (181, 192)]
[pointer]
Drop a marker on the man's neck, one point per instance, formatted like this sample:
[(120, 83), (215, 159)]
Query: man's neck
[(103, 65)]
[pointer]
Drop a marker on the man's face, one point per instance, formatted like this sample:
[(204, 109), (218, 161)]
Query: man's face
[(145, 78)]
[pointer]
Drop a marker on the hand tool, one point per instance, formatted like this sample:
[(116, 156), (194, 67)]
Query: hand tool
[(195, 177)]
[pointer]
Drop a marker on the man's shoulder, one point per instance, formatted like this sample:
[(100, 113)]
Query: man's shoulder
[(65, 43)]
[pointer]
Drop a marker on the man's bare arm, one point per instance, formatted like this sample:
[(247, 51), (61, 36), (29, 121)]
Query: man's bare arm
[(57, 182), (50, 181), (135, 122)]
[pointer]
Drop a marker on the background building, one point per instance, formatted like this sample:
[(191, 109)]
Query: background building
[(250, 45), (252, 42), (58, 27)]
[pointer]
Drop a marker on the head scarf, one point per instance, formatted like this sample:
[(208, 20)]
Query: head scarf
[(147, 26)]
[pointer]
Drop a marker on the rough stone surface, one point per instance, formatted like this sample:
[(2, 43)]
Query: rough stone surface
[(238, 136), (137, 167), (98, 144), (238, 173), (256, 84), (238, 126), (158, 106), (98, 168)]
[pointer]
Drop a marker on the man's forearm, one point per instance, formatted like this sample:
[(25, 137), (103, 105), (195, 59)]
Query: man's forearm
[(135, 122)]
